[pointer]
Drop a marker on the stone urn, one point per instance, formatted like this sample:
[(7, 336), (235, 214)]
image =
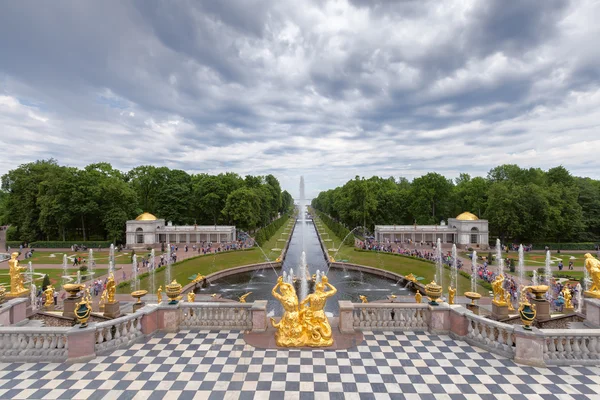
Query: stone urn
[(539, 291), (472, 296), (138, 294), (434, 292), (73, 289), (527, 313), (173, 291)]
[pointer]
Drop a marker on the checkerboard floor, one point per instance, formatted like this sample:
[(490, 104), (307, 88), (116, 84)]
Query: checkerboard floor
[(219, 365)]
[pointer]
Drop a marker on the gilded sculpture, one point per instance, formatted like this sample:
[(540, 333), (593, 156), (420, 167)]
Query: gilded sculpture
[(16, 278), (418, 297), (303, 324), (593, 267), (102, 301), (191, 297), (111, 288), (244, 296), (49, 295), (451, 294), (83, 309), (363, 299), (159, 295), (566, 292), (499, 292)]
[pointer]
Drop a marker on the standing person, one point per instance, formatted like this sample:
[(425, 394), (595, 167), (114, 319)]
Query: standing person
[(560, 265), (571, 264)]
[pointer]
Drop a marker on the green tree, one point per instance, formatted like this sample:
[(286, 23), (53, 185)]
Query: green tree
[(243, 208), (431, 198)]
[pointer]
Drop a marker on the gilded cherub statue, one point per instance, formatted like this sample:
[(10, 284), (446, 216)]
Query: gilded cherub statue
[(111, 289), (451, 294), (244, 296), (49, 295), (499, 293), (159, 295), (593, 267), (191, 297), (102, 302), (418, 297), (16, 279), (566, 292), (363, 299)]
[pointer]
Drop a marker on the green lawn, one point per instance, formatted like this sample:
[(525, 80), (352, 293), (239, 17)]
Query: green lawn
[(574, 275), (54, 274), (210, 263), (394, 263), (56, 257), (536, 258)]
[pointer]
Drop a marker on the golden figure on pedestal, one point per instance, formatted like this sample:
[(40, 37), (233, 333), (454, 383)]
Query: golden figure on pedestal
[(418, 297), (363, 299), (566, 292), (198, 278), (16, 279), (159, 295), (83, 310), (244, 296), (509, 302), (593, 267), (102, 301), (499, 292), (49, 295), (111, 289), (451, 294), (191, 297), (303, 324)]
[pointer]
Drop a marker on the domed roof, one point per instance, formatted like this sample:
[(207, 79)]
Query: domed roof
[(146, 217), (467, 216)]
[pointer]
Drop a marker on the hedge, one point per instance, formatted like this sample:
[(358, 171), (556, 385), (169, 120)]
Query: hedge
[(264, 234), (66, 245), (565, 246), (338, 229)]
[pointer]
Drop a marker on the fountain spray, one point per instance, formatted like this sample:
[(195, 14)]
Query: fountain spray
[(152, 267), (32, 288), (521, 268), (454, 275), (134, 273), (579, 298), (111, 259), (474, 271), (65, 276), (439, 264), (499, 258), (548, 268), (168, 269), (535, 280)]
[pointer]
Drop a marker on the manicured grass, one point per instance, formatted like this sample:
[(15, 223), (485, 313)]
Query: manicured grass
[(54, 274), (207, 264), (395, 263), (575, 275), (56, 257)]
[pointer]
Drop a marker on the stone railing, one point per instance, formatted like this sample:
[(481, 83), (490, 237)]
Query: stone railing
[(118, 332), (216, 315), (494, 336), (33, 344), (565, 346), (390, 316)]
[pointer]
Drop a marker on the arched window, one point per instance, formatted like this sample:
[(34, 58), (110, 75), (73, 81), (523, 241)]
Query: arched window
[(474, 235), (139, 236)]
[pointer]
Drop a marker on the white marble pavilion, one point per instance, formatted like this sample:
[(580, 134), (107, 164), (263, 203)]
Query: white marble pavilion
[(147, 231), (464, 230)]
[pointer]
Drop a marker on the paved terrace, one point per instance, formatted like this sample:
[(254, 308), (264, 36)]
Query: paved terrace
[(220, 365)]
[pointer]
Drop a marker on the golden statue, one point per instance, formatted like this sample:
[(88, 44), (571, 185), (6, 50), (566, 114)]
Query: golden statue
[(102, 300), (159, 295), (290, 331), (418, 297), (315, 320), (111, 288), (499, 293), (410, 277), (191, 297), (451, 294), (243, 297), (16, 279), (566, 292), (83, 309), (198, 278), (363, 299), (49, 294), (509, 302), (593, 267)]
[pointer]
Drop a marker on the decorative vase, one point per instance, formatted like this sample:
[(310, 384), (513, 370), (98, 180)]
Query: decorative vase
[(434, 292), (72, 289), (138, 294), (472, 296), (527, 313), (539, 291), (82, 312), (173, 291)]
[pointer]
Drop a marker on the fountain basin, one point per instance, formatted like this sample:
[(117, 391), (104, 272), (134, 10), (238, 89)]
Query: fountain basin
[(539, 291), (138, 294), (73, 289), (472, 296)]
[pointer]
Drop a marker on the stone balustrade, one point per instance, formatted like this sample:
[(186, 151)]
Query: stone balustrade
[(216, 315), (494, 336), (33, 344), (390, 316), (567, 346), (119, 332)]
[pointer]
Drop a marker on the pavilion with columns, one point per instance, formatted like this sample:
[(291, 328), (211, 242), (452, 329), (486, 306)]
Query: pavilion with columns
[(148, 231), (464, 230)]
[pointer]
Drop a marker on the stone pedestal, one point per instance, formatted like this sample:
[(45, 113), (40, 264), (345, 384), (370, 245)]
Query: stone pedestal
[(439, 319), (592, 312), (259, 316), (69, 306), (346, 323), (136, 306), (499, 311), (542, 307), (568, 310), (529, 347), (48, 308), (112, 310)]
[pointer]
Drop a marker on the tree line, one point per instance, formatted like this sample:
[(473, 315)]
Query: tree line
[(524, 205), (43, 200)]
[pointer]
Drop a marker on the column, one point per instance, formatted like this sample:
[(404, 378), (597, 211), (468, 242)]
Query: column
[(187, 238)]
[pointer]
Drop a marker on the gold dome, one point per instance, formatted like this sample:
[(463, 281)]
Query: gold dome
[(146, 217), (467, 216)]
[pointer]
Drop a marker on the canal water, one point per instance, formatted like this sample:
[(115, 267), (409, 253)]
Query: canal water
[(349, 284)]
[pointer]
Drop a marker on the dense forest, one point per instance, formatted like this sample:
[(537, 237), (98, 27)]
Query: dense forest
[(45, 201), (521, 204)]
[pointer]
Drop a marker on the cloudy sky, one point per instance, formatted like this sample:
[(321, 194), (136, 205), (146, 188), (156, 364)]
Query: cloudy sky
[(324, 89)]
